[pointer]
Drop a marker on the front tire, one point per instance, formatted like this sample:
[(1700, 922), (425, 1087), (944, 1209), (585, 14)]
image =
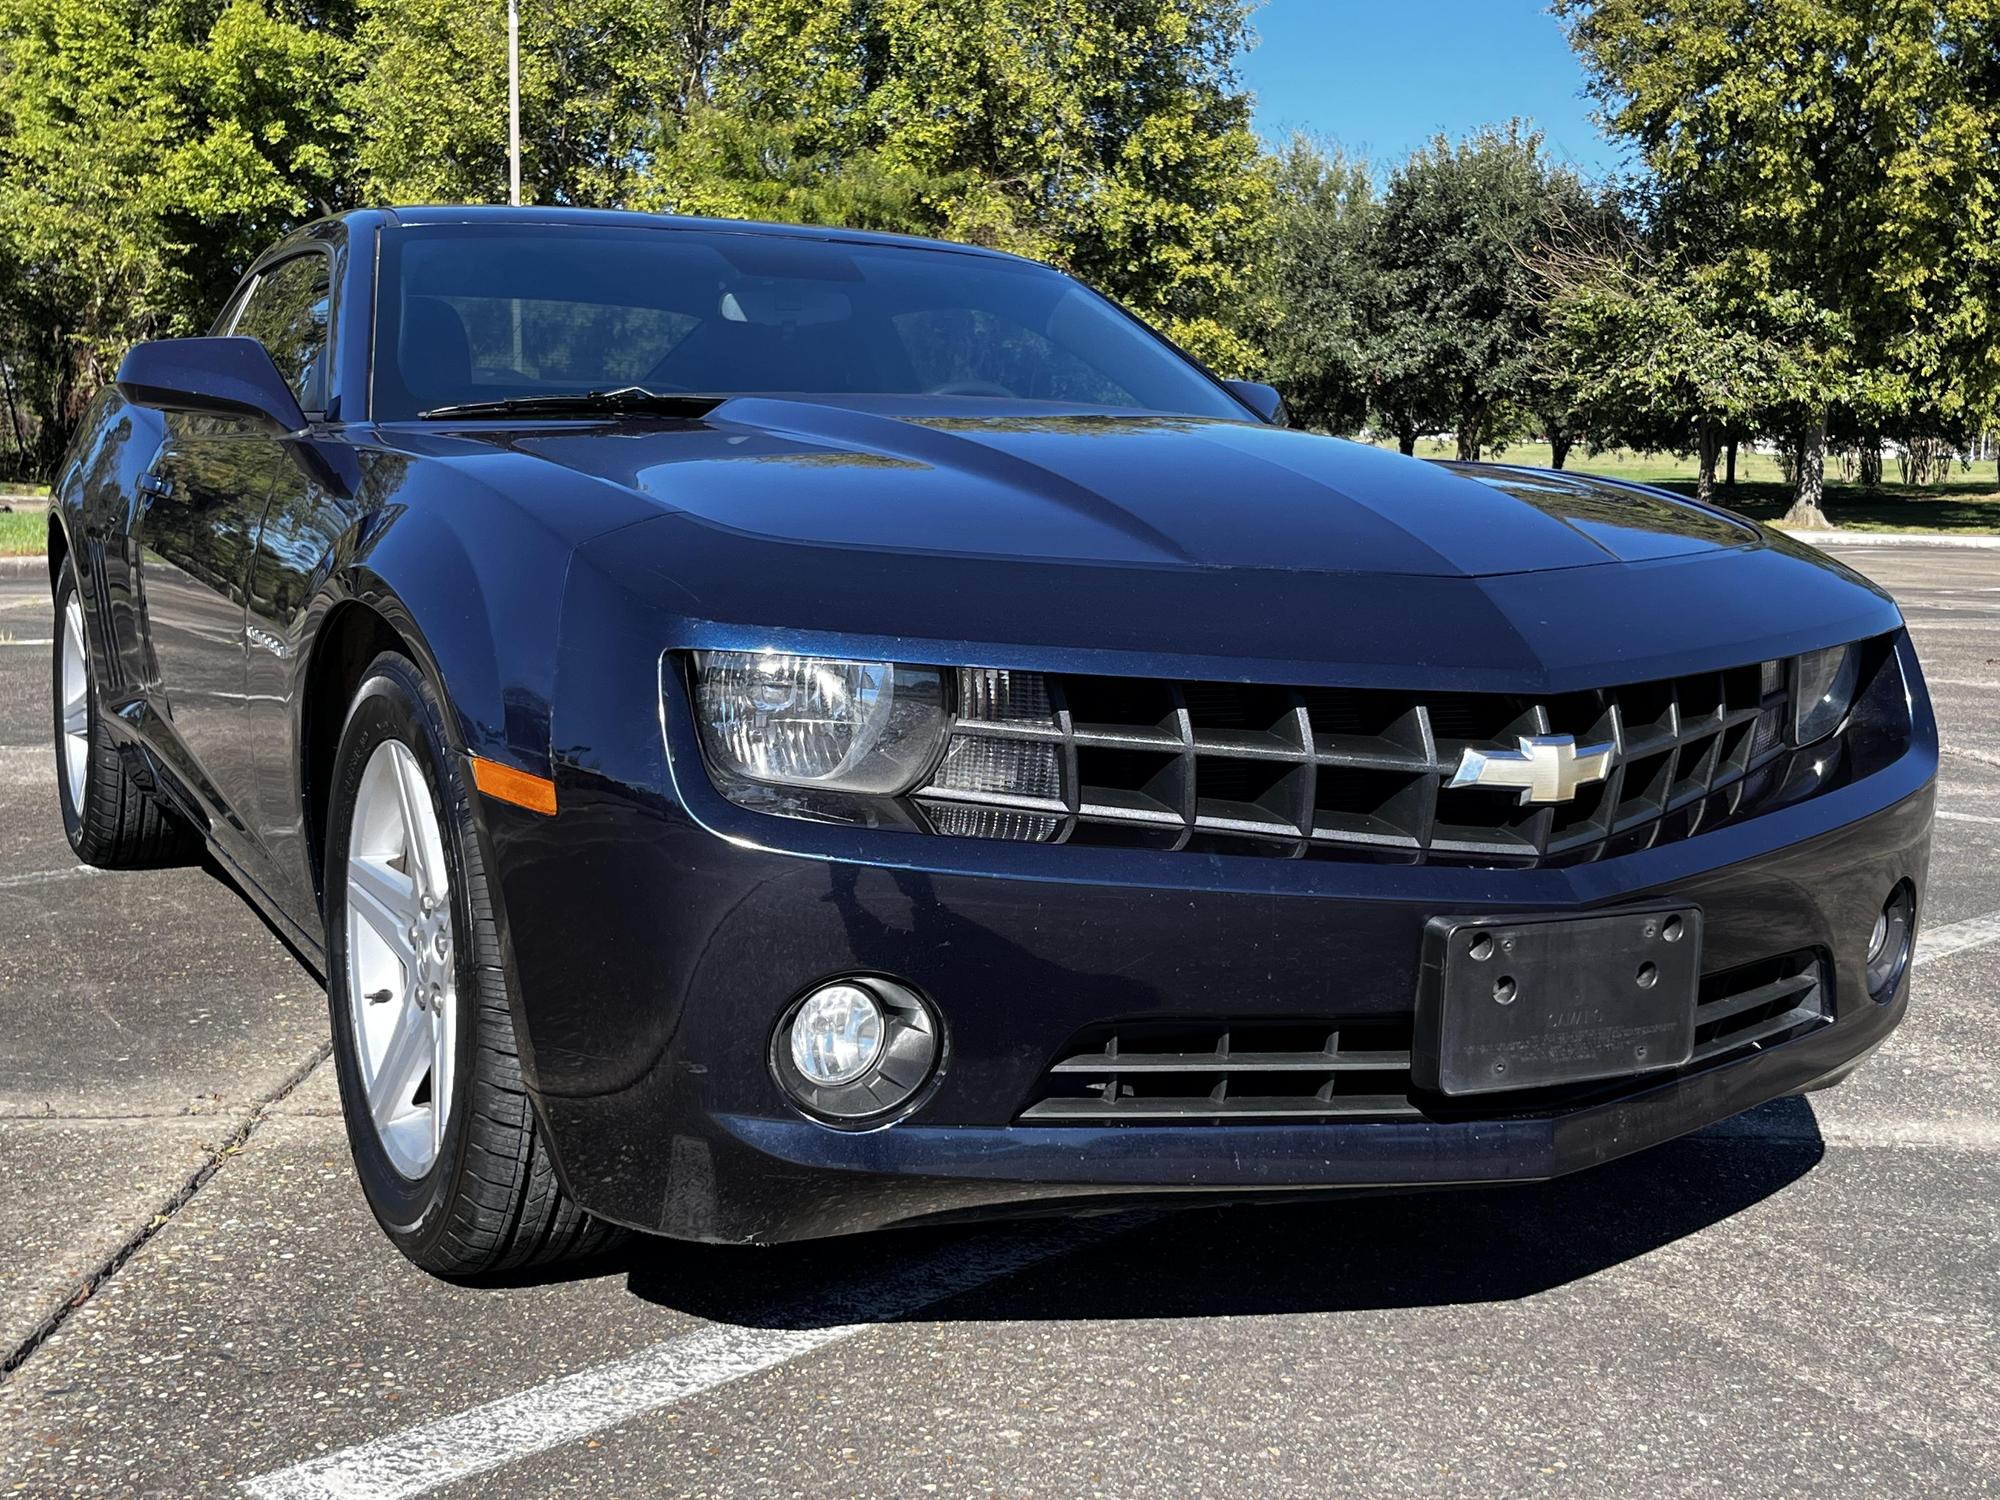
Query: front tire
[(110, 820), (445, 1140)]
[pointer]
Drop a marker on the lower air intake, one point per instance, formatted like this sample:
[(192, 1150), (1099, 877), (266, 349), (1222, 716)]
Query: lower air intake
[(1196, 1072)]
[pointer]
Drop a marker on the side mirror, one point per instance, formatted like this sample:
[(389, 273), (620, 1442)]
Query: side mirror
[(231, 377), (1262, 399)]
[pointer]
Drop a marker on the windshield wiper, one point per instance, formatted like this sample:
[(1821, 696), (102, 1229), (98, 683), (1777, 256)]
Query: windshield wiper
[(629, 398)]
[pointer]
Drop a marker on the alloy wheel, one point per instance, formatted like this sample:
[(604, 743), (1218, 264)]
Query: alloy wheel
[(401, 987), (75, 703)]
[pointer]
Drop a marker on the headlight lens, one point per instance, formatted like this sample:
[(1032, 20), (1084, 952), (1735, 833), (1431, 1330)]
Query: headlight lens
[(854, 726), (1822, 692)]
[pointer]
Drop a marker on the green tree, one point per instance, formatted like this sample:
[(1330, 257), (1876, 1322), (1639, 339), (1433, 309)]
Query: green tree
[(1108, 136), (1325, 293), (1841, 153), (147, 151), (1452, 347), (1652, 356), (604, 84)]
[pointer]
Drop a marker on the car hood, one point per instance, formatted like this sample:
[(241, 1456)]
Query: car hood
[(1092, 487)]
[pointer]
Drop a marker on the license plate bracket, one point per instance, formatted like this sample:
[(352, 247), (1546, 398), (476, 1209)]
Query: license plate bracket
[(1536, 1001)]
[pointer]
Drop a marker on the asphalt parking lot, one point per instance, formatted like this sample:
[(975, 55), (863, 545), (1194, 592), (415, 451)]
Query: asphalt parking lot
[(194, 1300)]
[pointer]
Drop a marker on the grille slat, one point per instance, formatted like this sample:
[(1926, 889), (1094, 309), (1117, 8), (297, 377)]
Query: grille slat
[(1097, 1111), (1236, 767), (1215, 1071)]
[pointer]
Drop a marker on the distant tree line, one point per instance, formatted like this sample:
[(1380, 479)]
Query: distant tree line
[(1806, 258)]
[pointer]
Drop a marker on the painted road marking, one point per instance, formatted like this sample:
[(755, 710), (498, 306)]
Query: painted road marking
[(1956, 937), (560, 1411), (1977, 757), (1959, 817), (43, 877)]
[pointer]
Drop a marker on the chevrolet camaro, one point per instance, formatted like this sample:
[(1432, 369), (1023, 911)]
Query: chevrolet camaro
[(771, 732)]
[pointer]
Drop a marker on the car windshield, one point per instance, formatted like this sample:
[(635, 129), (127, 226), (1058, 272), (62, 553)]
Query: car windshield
[(492, 312)]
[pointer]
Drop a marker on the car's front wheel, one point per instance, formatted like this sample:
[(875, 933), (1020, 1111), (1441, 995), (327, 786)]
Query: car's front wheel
[(444, 1137)]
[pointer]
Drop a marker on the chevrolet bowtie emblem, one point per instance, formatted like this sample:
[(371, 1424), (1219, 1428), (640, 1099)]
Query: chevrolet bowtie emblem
[(1547, 767)]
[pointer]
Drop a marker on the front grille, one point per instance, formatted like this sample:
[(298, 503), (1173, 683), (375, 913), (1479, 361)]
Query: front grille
[(1241, 768), (1218, 1071)]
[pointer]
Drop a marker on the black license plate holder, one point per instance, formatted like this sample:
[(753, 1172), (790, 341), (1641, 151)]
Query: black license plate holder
[(1529, 1002)]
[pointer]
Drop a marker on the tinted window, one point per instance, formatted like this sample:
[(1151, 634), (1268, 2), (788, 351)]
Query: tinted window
[(287, 313), (482, 312)]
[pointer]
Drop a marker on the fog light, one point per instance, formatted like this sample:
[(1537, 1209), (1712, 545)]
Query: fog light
[(837, 1035), (855, 1048), (1890, 943)]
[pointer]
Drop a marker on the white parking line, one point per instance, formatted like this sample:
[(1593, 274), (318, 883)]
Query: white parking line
[(1977, 757), (1955, 937), (43, 877), (1959, 817), (508, 1430)]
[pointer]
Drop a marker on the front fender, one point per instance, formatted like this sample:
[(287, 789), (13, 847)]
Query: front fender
[(474, 585)]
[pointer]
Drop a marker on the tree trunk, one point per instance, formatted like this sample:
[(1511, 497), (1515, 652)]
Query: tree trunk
[(1807, 510), (1729, 473), (1468, 443), (1871, 460), (1707, 440), (1406, 439), (1559, 444)]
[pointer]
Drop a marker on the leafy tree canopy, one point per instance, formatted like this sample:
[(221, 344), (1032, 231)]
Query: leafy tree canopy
[(1453, 346), (1108, 136), (1840, 156), (147, 150), (603, 86)]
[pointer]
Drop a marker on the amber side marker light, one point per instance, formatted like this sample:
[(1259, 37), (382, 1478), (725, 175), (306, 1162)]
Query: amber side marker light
[(505, 784)]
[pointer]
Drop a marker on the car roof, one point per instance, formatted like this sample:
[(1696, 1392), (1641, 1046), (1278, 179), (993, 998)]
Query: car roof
[(413, 215)]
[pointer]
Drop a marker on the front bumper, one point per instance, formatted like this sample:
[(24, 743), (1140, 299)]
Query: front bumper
[(667, 937)]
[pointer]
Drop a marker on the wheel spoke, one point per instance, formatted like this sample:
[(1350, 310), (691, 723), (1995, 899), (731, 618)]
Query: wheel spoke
[(404, 1063), (414, 795), (76, 715), (386, 899)]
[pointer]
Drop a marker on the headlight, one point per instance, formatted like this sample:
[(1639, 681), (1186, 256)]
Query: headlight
[(1822, 692), (853, 726)]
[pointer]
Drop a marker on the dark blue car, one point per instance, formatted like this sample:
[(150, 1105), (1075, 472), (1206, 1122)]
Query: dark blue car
[(774, 732)]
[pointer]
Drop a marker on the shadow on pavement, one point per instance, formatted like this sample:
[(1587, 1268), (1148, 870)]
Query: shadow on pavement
[(1320, 1255)]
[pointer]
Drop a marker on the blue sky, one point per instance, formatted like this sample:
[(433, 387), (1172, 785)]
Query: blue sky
[(1382, 76)]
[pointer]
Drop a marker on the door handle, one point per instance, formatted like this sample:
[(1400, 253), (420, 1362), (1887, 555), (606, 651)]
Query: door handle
[(153, 484)]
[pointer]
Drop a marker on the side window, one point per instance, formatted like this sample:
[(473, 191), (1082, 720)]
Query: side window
[(287, 313), (232, 310)]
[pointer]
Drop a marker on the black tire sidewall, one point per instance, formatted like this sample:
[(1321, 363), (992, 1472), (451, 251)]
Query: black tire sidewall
[(394, 703)]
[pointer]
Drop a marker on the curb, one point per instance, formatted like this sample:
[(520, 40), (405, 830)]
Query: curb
[(1889, 539), (34, 565)]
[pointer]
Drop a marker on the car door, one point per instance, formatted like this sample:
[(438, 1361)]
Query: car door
[(198, 515)]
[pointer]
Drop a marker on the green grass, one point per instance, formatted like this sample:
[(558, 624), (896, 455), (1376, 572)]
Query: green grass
[(23, 533), (1969, 505)]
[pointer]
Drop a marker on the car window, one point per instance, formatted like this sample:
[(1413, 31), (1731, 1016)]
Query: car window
[(976, 352), (470, 313), (510, 340), (287, 312)]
